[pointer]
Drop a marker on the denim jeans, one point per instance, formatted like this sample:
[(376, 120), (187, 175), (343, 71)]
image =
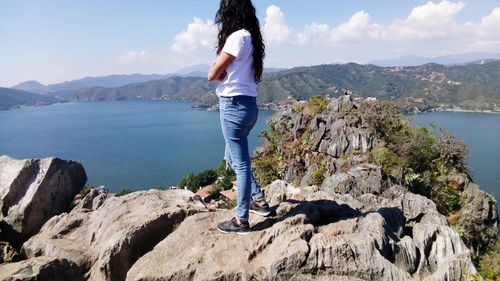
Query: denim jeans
[(238, 115)]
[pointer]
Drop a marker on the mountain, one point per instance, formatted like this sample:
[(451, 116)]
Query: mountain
[(412, 60), (110, 81), (12, 98), (174, 88), (199, 70), (273, 69), (32, 86), (471, 86), (66, 87)]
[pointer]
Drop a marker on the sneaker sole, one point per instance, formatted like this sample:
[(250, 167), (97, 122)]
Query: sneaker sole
[(264, 214), (231, 232)]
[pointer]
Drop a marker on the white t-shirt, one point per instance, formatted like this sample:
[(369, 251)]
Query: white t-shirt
[(240, 79)]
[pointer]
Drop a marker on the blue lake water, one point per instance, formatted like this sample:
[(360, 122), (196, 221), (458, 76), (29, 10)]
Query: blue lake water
[(125, 144), (481, 132), (143, 144)]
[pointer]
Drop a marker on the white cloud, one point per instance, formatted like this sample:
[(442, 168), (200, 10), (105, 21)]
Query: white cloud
[(428, 29), (275, 29), (199, 34), (134, 56), (429, 21), (489, 27)]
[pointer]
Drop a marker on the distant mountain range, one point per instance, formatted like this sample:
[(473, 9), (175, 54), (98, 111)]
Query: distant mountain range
[(66, 88), (473, 86), (412, 60)]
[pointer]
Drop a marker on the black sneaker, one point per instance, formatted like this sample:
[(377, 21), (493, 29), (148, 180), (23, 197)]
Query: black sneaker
[(260, 207), (233, 226)]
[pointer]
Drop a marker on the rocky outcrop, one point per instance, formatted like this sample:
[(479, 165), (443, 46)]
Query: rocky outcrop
[(41, 269), (478, 218), (34, 190), (328, 136), (337, 147), (316, 234), (104, 234)]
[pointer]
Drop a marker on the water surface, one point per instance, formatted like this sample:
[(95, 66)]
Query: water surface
[(125, 144)]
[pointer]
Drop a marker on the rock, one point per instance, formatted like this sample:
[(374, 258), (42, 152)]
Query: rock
[(298, 125), (314, 235), (406, 255), (339, 183), (104, 234), (343, 102), (318, 136), (369, 179), (333, 106), (360, 179), (479, 218), (8, 253), (34, 190), (446, 254), (94, 199), (41, 269)]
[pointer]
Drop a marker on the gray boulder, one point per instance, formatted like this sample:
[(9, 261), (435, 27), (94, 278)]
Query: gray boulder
[(41, 269), (34, 190), (104, 235), (360, 179)]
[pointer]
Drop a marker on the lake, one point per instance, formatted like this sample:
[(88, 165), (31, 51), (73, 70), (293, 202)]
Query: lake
[(123, 144), (145, 144)]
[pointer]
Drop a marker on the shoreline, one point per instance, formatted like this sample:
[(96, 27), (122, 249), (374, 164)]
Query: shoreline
[(452, 110), (267, 106)]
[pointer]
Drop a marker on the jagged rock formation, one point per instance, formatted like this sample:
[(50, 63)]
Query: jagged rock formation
[(321, 147), (105, 234), (34, 190), (478, 217), (329, 137), (316, 234)]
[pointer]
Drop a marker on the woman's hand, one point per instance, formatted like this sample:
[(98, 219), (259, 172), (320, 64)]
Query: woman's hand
[(218, 69), (222, 76)]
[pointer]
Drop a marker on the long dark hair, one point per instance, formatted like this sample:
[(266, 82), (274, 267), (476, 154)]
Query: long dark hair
[(234, 15)]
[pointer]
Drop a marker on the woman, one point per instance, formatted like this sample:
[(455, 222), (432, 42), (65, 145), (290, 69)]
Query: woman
[(239, 66)]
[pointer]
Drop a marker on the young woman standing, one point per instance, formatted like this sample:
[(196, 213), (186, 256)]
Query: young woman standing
[(239, 66)]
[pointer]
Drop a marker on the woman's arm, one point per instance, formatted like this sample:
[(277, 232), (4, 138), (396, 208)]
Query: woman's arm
[(219, 67)]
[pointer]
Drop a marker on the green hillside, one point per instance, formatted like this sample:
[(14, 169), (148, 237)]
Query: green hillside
[(11, 98), (473, 86)]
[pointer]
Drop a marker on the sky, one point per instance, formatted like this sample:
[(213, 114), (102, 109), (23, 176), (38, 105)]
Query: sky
[(52, 41)]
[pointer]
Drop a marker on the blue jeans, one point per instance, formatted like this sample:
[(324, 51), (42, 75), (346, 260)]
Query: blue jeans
[(238, 115)]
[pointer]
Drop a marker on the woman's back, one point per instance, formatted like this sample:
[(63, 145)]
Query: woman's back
[(240, 78)]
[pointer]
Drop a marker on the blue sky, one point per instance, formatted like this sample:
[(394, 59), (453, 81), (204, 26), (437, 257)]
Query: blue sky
[(53, 40)]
